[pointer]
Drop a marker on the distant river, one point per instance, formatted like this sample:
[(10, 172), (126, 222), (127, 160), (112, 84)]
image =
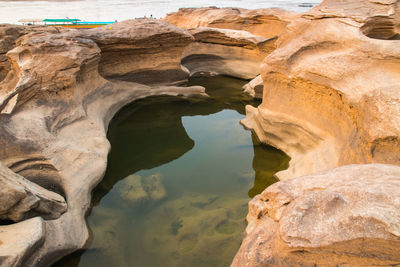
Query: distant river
[(111, 10)]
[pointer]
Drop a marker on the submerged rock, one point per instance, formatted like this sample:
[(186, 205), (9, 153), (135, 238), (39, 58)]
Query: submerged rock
[(132, 190), (196, 228), (154, 187), (55, 103), (139, 191)]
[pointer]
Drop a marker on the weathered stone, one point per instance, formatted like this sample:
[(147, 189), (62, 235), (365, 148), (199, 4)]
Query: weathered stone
[(347, 216), (255, 87), (141, 50), (54, 103), (331, 98), (21, 199), (269, 22), (332, 94), (19, 241), (220, 51)]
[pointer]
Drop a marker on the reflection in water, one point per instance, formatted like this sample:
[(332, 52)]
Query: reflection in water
[(178, 179)]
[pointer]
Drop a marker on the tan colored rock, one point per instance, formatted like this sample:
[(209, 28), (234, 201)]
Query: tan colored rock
[(268, 23), (255, 87), (55, 109), (21, 199), (21, 240), (141, 50), (220, 51), (331, 93), (347, 216)]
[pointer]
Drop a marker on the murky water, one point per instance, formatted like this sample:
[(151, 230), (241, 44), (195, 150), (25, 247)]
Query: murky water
[(179, 177), (110, 10)]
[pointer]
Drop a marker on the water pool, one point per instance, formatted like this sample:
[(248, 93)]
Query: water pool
[(179, 177)]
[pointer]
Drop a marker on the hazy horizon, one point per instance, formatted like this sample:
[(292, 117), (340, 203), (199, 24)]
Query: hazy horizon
[(106, 10)]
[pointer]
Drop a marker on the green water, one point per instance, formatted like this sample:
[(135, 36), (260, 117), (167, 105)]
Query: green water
[(179, 177)]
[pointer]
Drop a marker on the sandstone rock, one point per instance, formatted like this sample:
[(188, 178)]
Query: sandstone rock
[(220, 51), (268, 23), (347, 216), (21, 199), (19, 241), (141, 50), (331, 93), (8, 37), (255, 87), (54, 103)]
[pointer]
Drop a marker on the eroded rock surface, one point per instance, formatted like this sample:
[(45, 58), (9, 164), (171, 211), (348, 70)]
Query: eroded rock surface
[(347, 216), (159, 43), (55, 109), (331, 93), (19, 241), (331, 98), (221, 51), (255, 87), (21, 199), (268, 23)]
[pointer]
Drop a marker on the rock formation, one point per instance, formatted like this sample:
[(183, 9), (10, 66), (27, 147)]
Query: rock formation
[(229, 37), (268, 23), (255, 87), (347, 216), (220, 51), (332, 93), (331, 98), (55, 108), (121, 45), (21, 198)]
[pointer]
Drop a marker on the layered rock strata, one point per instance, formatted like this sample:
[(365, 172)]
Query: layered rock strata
[(229, 37), (332, 93), (121, 44), (331, 98), (21, 199), (55, 108), (268, 23), (221, 51), (347, 216)]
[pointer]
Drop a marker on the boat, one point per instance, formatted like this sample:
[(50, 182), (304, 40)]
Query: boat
[(306, 5), (66, 23)]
